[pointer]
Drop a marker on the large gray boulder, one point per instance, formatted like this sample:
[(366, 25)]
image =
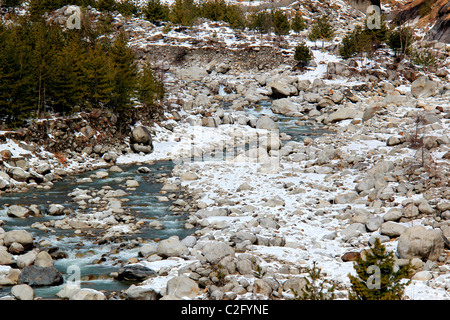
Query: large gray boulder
[(192, 74), (22, 292), (424, 87), (214, 251), (37, 276), (18, 211), (20, 236), (419, 242), (182, 287), (341, 114), (265, 122), (282, 89), (135, 272), (171, 247), (141, 140), (285, 106)]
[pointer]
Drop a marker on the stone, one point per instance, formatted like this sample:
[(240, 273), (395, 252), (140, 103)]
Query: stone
[(295, 285), (20, 236), (423, 276), (27, 259), (37, 276), (135, 272), (373, 223), (18, 174), (182, 287), (147, 250), (88, 294), (285, 106), (262, 287), (410, 211), (192, 74), (393, 214), (22, 292), (354, 230), (6, 258), (394, 140), (341, 114), (17, 211), (141, 293), (392, 229), (43, 259), (265, 122), (418, 242), (214, 251), (131, 183), (171, 247), (282, 89), (424, 87), (188, 176), (212, 212), (55, 210)]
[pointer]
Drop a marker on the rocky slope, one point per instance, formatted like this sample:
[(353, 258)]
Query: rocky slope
[(265, 213)]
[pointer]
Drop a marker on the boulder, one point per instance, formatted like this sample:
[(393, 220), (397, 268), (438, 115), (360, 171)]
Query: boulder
[(282, 89), (135, 272), (141, 140), (88, 294), (17, 211), (182, 287), (37, 276), (265, 122), (171, 247), (424, 87), (141, 293), (20, 236), (214, 251), (392, 229), (341, 114), (55, 210), (22, 292), (419, 242), (19, 174), (192, 74), (43, 259), (6, 258), (285, 106)]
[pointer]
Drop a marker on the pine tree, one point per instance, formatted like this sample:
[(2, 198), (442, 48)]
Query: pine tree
[(321, 30), (155, 11), (124, 75), (298, 23), (149, 88), (281, 24), (302, 54), (376, 277)]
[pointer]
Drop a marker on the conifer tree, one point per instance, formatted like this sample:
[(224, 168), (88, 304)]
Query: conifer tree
[(124, 75), (298, 23), (281, 24), (149, 88), (376, 277), (321, 30)]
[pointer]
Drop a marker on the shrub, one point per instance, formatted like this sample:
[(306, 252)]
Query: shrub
[(281, 24), (302, 54), (400, 39), (155, 11), (184, 12), (424, 57), (314, 288), (261, 21), (298, 23), (321, 30), (387, 284)]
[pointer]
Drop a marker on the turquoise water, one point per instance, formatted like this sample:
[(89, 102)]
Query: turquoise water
[(96, 262)]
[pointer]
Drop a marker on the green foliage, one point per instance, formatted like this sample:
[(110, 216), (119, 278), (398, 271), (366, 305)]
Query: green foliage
[(46, 68), (10, 3), (280, 23), (156, 11), (302, 54), (321, 30), (400, 39), (423, 57), (184, 12), (261, 21), (126, 8), (298, 23), (149, 88), (315, 286), (385, 285), (259, 272)]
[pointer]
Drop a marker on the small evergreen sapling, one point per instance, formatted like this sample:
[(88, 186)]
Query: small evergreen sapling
[(377, 277), (303, 55), (315, 286)]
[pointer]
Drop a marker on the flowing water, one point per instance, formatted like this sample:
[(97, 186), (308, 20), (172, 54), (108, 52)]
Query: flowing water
[(95, 261)]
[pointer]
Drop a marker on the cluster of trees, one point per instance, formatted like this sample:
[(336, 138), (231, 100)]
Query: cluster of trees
[(185, 12), (44, 68)]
